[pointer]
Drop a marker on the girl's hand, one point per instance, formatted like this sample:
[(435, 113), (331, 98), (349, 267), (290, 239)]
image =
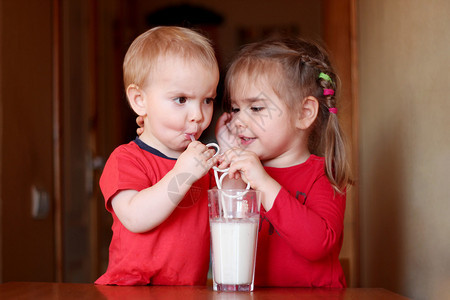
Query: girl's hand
[(140, 123), (226, 133), (246, 165), (195, 161)]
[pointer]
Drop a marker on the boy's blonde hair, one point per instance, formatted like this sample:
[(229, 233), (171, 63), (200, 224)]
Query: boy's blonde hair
[(143, 54)]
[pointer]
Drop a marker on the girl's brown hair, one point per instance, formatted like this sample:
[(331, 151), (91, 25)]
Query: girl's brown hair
[(296, 69)]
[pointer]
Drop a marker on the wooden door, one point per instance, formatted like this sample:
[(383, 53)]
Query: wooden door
[(26, 141)]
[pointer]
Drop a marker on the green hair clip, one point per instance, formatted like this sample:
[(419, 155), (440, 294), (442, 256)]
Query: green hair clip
[(325, 76)]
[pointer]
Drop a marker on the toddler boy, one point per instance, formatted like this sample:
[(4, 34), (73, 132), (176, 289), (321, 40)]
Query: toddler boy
[(156, 186)]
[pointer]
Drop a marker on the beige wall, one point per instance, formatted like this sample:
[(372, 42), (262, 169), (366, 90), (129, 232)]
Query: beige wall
[(405, 146)]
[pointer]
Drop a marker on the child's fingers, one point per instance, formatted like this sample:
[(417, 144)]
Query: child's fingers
[(198, 147), (212, 162), (222, 161), (202, 148), (194, 144), (237, 173), (222, 165), (237, 167), (234, 170), (221, 122), (233, 154), (209, 153)]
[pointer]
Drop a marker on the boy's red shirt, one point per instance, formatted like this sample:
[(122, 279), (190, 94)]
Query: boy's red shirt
[(174, 253)]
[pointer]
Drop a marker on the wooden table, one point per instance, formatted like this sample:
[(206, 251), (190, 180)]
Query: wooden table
[(84, 291)]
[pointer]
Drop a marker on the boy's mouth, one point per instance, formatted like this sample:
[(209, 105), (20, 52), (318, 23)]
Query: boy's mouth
[(190, 136)]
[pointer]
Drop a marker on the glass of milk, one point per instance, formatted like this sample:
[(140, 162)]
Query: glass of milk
[(234, 220)]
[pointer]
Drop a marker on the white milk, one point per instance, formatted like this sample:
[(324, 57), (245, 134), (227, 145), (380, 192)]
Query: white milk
[(233, 247)]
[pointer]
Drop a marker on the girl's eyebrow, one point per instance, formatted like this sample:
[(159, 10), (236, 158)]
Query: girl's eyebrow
[(254, 99), (251, 100)]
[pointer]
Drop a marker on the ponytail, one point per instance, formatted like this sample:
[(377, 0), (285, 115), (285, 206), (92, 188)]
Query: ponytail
[(337, 167), (333, 144)]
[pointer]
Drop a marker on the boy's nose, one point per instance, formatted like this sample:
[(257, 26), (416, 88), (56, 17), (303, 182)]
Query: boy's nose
[(196, 114)]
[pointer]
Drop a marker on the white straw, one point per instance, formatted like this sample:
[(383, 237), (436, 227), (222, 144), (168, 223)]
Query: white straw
[(219, 180)]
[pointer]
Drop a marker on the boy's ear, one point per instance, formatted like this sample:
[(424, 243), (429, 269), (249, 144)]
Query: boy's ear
[(136, 99), (307, 113)]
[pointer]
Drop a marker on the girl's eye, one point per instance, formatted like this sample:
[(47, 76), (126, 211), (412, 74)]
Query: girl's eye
[(256, 108), (180, 100), (234, 110), (209, 100)]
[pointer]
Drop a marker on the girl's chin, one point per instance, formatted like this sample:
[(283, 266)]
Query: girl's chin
[(252, 148)]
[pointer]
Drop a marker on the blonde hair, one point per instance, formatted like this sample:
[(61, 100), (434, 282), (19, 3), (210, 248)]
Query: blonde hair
[(143, 54), (293, 68)]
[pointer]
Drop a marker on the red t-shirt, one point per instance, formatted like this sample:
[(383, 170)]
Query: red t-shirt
[(301, 236), (174, 253)]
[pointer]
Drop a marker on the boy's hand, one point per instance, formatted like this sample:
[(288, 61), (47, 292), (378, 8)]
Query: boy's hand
[(196, 160)]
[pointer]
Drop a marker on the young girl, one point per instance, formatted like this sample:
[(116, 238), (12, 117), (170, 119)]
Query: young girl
[(282, 98)]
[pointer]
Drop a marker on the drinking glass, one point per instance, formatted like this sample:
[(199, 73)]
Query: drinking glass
[(234, 221)]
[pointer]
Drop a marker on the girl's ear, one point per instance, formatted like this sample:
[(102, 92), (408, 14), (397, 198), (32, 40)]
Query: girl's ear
[(308, 113), (136, 98)]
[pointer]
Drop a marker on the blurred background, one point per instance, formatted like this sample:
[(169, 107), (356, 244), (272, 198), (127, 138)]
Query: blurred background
[(63, 110)]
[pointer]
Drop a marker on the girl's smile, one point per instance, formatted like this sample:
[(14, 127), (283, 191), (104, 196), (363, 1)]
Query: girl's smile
[(264, 124), (245, 141)]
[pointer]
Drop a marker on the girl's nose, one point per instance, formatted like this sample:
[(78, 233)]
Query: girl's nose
[(239, 120)]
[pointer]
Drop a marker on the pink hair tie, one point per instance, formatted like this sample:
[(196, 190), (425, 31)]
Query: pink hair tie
[(327, 92), (333, 110)]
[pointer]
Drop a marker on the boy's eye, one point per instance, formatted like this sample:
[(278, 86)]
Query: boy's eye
[(256, 108), (234, 110), (180, 100), (209, 100)]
